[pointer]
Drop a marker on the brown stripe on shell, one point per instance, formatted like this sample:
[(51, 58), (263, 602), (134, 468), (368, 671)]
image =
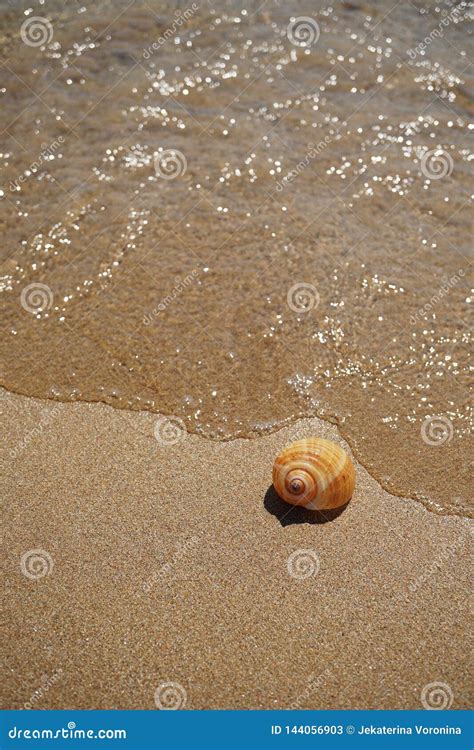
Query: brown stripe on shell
[(330, 470)]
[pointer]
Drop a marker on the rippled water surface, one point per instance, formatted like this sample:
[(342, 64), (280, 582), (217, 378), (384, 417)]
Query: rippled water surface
[(225, 213)]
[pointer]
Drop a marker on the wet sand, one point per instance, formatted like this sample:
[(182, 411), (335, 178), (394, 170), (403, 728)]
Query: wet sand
[(240, 229), (169, 563)]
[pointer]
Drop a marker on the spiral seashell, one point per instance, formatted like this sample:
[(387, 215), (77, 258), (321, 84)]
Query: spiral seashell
[(315, 473)]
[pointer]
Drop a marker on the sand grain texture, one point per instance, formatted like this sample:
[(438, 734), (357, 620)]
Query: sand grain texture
[(170, 565)]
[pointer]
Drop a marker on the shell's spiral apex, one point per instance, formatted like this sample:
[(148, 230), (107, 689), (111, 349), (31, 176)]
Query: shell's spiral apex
[(314, 473)]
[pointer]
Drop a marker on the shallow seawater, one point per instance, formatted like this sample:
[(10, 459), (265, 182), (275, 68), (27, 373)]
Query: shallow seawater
[(218, 212)]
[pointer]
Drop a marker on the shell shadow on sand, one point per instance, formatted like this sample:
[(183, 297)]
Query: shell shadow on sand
[(291, 514)]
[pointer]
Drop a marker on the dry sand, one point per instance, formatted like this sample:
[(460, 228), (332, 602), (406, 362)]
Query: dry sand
[(170, 564)]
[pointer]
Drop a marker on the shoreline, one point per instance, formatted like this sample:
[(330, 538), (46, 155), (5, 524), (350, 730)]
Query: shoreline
[(429, 504), (172, 563)]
